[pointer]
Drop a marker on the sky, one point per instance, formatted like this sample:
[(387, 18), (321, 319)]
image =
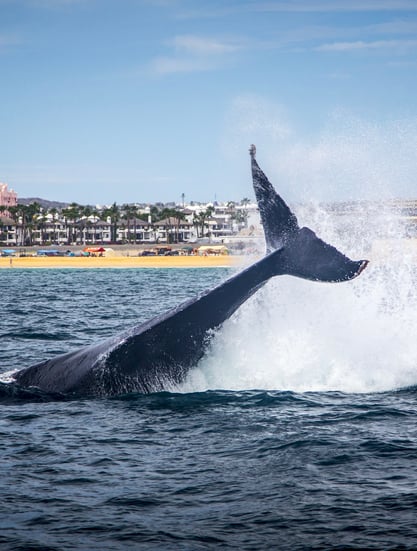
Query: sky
[(123, 101)]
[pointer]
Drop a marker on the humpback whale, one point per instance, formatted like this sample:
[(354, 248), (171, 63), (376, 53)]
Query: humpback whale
[(158, 354)]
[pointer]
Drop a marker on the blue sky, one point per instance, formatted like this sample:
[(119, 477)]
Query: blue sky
[(143, 100)]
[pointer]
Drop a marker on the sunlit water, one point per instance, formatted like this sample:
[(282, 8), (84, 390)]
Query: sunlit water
[(298, 430)]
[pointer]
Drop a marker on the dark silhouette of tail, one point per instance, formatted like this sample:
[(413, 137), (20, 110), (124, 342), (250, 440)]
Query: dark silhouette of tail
[(302, 253), (278, 221)]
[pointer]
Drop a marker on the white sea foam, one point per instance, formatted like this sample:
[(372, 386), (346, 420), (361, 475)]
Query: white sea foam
[(8, 376), (302, 336), (358, 336)]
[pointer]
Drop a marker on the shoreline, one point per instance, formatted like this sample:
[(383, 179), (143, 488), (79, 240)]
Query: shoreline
[(95, 262)]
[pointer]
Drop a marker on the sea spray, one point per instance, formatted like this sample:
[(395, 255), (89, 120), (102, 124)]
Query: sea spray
[(297, 335)]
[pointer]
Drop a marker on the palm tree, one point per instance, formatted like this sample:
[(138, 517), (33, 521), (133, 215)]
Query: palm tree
[(72, 213), (85, 222), (129, 212), (65, 213), (113, 213), (200, 219), (2, 209), (33, 213), (166, 214), (95, 215), (14, 215), (41, 220), (179, 217), (54, 213), (21, 213), (26, 215)]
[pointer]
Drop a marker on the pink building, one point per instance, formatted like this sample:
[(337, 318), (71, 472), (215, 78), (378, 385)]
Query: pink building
[(8, 198)]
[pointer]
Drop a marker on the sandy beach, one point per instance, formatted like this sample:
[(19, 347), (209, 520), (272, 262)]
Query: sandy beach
[(116, 261)]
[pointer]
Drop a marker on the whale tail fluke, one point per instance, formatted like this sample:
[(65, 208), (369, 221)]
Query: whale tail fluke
[(308, 257), (278, 221), (302, 253)]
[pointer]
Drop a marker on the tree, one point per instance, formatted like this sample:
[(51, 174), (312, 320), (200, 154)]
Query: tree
[(25, 216), (32, 212), (54, 213), (72, 213), (112, 213), (129, 213), (95, 215), (179, 216), (41, 220), (200, 220), (2, 209), (172, 219), (85, 222)]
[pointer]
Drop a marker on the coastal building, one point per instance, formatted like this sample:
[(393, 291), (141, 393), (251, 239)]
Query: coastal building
[(174, 230), (210, 222), (7, 231), (135, 230), (8, 198)]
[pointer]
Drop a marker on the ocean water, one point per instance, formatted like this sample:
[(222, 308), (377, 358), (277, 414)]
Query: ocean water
[(298, 430)]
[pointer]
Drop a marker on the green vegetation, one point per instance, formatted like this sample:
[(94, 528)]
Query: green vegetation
[(70, 224)]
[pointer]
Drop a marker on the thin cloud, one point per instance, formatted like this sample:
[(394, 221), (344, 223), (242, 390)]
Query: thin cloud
[(58, 3), (227, 9), (204, 46), (336, 6), (339, 75), (195, 53), (362, 45)]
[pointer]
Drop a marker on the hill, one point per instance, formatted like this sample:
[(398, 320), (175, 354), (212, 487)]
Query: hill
[(43, 202)]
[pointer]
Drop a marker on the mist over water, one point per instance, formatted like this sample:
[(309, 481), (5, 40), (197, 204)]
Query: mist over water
[(357, 336), (351, 157)]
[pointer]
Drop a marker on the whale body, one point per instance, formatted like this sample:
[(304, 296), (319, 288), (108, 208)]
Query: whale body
[(159, 353)]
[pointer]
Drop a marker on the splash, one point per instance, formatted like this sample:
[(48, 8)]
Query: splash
[(302, 336), (348, 157), (353, 337), (8, 376)]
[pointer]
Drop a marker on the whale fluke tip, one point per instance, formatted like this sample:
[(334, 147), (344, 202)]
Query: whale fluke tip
[(252, 151)]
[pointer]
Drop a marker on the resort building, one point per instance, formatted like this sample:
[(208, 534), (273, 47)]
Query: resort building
[(203, 222), (174, 230), (7, 231), (8, 198)]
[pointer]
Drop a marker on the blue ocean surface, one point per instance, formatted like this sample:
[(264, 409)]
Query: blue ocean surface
[(297, 431)]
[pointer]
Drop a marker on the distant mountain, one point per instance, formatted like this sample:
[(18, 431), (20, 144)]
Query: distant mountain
[(44, 203)]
